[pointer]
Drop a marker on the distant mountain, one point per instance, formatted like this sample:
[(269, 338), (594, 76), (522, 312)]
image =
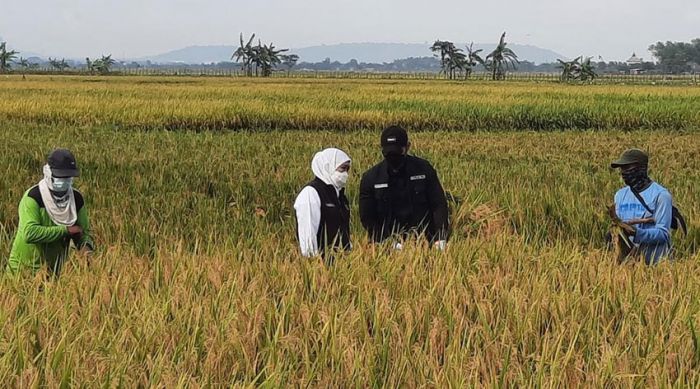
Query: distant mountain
[(388, 52), (344, 52)]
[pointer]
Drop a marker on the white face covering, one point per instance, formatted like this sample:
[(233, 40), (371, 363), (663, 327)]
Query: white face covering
[(325, 165), (340, 179), (60, 206)]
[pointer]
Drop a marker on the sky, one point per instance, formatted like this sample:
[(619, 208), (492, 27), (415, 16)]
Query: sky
[(611, 29)]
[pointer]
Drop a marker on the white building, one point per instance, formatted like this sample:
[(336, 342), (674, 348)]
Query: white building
[(634, 61)]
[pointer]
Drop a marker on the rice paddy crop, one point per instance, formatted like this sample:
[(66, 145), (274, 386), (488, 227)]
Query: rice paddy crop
[(197, 281), (212, 104)]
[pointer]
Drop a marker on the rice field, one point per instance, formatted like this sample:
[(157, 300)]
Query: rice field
[(190, 103), (197, 281)]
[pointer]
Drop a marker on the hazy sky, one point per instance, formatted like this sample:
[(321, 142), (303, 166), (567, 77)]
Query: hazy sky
[(134, 28)]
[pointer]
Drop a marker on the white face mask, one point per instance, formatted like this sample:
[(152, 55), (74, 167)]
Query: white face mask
[(61, 185), (340, 179)]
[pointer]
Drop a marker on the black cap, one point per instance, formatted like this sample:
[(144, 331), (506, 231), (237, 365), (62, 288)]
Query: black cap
[(62, 164), (630, 157), (394, 139)]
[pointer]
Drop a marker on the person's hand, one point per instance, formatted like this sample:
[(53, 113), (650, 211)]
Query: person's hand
[(629, 230), (75, 230), (441, 245)]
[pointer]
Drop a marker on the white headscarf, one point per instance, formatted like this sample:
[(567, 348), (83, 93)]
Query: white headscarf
[(325, 162), (61, 210)]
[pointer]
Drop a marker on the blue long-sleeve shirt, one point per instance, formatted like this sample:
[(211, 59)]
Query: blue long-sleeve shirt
[(653, 239)]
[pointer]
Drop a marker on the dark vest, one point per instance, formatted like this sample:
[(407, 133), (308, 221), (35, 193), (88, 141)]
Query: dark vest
[(402, 199), (334, 229)]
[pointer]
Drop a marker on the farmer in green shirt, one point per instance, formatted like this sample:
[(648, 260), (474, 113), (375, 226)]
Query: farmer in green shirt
[(51, 215)]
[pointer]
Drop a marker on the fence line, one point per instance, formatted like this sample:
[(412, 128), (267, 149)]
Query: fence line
[(476, 76)]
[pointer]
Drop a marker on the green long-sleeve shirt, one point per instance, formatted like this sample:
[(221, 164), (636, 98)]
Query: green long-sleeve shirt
[(39, 240)]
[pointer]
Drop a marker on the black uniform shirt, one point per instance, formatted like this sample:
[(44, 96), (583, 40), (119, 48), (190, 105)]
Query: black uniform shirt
[(411, 199)]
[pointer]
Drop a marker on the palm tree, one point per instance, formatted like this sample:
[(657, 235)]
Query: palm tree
[(473, 59), (500, 59), (569, 69), (6, 57), (24, 64), (455, 61), (244, 54), (59, 65), (443, 48)]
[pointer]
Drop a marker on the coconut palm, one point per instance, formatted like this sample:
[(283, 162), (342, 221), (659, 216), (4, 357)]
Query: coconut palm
[(6, 57), (501, 59), (244, 54)]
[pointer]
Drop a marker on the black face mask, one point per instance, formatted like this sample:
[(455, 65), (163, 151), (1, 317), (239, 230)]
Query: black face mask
[(636, 177), (395, 161)]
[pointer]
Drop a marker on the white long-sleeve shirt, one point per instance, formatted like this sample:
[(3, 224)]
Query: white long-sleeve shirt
[(308, 209)]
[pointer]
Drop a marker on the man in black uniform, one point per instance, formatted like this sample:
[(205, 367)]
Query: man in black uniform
[(402, 194)]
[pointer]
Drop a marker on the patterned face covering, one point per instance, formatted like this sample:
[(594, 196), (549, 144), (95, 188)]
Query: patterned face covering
[(636, 177)]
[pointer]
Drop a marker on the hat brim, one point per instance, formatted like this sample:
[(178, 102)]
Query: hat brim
[(620, 163), (65, 173), (392, 149)]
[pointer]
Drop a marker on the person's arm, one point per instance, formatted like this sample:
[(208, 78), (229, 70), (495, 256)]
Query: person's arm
[(368, 207), (308, 210), (30, 220), (660, 233), (84, 241), (438, 207)]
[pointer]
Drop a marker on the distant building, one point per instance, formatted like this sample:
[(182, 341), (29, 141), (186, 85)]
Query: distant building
[(635, 64)]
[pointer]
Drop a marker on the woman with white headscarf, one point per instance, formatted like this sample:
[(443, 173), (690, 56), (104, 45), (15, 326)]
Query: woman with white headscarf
[(322, 210)]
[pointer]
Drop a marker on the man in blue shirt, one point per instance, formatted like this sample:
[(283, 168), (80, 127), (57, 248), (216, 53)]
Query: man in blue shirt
[(645, 206)]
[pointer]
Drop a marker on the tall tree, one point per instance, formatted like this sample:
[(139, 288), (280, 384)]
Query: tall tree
[(456, 62), (58, 65), (245, 54), (676, 57), (289, 61), (473, 59), (443, 49), (6, 57), (501, 59), (266, 58)]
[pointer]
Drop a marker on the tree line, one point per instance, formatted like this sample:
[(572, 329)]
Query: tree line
[(448, 59), (677, 57)]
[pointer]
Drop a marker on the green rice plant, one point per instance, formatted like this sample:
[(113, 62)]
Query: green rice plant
[(197, 280)]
